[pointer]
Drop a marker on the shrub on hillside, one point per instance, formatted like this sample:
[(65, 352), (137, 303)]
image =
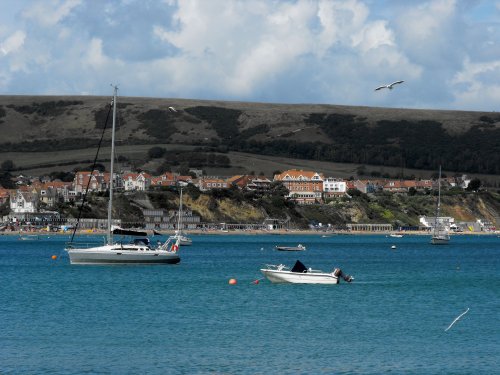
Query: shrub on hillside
[(158, 123), (156, 152)]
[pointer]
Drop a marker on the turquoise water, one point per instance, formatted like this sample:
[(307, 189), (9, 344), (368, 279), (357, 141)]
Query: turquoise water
[(186, 319)]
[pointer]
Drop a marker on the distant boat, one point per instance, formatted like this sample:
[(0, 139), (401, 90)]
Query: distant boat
[(138, 251), (396, 235), (184, 240), (29, 237), (300, 274), (299, 247), (440, 235)]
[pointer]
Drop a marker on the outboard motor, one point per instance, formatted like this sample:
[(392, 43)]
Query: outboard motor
[(348, 278), (338, 273)]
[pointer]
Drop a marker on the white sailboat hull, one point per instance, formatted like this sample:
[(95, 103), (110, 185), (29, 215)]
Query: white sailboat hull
[(184, 241), (280, 277), (440, 240), (118, 254)]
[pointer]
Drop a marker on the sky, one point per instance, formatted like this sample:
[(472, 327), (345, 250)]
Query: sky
[(288, 51)]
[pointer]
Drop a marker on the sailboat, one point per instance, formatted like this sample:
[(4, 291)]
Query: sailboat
[(184, 240), (138, 251), (440, 235)]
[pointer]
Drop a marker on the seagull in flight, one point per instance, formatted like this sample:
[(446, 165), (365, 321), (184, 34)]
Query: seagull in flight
[(172, 109), (389, 86)]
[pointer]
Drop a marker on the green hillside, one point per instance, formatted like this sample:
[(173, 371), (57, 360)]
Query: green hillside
[(460, 141)]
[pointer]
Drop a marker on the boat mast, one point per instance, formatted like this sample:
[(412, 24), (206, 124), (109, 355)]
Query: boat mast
[(438, 206), (180, 213), (111, 173)]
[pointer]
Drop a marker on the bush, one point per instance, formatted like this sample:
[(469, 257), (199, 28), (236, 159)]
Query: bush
[(7, 166), (156, 152)]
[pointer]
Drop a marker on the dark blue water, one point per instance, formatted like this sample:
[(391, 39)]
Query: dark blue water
[(186, 319)]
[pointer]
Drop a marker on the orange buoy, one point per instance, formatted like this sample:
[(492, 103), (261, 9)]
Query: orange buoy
[(232, 281), (54, 257)]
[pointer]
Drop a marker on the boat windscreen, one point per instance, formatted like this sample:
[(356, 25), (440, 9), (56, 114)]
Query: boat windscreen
[(299, 267), (141, 241)]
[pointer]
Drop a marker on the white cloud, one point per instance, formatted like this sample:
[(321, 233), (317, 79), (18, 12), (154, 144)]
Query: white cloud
[(373, 36), (473, 86), (339, 20), (314, 51), (13, 42), (430, 32), (49, 13)]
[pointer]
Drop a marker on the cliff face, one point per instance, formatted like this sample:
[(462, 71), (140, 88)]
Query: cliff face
[(398, 210)]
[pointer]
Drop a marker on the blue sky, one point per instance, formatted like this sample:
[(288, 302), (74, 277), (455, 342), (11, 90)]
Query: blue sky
[(302, 51)]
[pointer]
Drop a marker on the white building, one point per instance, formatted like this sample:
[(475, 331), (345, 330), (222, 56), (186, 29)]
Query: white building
[(136, 181), (23, 202), (334, 187)]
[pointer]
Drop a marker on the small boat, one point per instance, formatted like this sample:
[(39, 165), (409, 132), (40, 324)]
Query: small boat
[(185, 241), (299, 247), (29, 237), (396, 235), (300, 274)]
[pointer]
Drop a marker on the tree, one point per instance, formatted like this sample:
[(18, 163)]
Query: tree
[(474, 184), (6, 181), (7, 166), (156, 152), (63, 176), (278, 189), (361, 170), (4, 209)]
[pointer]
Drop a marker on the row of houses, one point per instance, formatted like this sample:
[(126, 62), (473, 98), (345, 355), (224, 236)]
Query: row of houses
[(307, 187), (304, 187)]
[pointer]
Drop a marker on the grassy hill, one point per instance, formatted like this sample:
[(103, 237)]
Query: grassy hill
[(46, 133)]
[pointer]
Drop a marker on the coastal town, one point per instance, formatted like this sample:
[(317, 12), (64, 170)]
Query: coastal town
[(31, 205)]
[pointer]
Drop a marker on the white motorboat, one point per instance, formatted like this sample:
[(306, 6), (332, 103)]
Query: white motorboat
[(299, 247), (440, 235), (300, 274), (139, 251), (396, 235)]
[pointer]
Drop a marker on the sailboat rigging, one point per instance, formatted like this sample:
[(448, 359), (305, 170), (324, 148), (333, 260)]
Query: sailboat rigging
[(138, 251), (184, 240), (440, 235)]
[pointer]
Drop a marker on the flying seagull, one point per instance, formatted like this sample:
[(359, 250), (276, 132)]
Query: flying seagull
[(172, 109), (388, 86)]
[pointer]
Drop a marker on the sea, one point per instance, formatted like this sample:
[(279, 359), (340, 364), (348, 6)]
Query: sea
[(398, 316)]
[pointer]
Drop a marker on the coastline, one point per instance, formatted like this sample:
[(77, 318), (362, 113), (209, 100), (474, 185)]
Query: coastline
[(304, 232)]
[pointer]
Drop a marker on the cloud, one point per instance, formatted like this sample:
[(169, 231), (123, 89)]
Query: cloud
[(307, 51), (49, 13), (477, 84), (13, 42)]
